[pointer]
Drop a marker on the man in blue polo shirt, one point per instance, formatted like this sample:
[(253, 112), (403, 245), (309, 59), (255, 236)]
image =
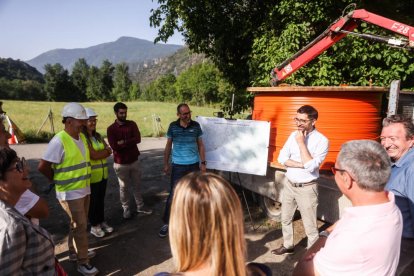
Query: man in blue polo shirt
[(187, 154), (397, 137)]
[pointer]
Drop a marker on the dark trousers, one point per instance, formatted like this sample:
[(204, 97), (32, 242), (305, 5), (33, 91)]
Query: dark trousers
[(97, 204), (177, 171)]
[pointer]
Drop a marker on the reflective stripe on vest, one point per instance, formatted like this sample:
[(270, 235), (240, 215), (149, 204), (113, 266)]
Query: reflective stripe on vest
[(74, 172), (99, 167)]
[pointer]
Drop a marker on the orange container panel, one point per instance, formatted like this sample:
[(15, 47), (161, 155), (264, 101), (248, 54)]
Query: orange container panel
[(345, 113)]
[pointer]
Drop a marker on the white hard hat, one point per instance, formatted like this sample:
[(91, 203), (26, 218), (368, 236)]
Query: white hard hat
[(74, 110), (90, 112)]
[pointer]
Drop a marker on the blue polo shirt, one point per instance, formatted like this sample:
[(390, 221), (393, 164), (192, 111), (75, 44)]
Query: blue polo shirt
[(185, 148), (401, 183)]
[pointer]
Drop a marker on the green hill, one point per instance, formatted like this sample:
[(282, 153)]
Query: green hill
[(144, 73), (11, 69)]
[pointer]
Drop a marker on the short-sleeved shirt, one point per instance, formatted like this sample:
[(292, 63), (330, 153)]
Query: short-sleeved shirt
[(26, 202), (401, 183), (365, 241), (55, 154), (185, 147)]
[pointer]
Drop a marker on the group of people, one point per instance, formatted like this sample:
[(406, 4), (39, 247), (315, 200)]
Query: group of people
[(376, 235), (203, 215)]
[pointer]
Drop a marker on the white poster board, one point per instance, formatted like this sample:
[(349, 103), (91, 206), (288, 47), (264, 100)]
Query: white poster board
[(235, 145)]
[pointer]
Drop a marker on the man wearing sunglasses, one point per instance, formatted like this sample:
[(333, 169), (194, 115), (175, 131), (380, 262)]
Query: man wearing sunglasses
[(302, 155), (366, 240), (397, 138)]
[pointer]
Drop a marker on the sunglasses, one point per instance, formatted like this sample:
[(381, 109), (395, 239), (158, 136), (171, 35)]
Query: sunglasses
[(21, 164)]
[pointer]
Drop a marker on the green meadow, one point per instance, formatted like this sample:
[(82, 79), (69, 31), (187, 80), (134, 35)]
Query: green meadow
[(29, 116)]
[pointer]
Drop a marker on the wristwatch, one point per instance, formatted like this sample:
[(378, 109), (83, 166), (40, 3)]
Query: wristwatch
[(324, 234), (203, 162)]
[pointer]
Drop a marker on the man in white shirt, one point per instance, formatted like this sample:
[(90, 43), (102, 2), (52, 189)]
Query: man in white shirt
[(302, 155)]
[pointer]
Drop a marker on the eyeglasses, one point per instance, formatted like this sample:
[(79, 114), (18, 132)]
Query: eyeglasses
[(92, 120), (335, 170), (302, 121), (186, 114), (21, 164)]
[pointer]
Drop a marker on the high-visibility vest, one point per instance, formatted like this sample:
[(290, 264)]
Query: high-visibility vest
[(74, 172), (99, 167)]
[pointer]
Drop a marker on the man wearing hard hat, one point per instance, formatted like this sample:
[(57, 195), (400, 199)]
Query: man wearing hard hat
[(66, 163)]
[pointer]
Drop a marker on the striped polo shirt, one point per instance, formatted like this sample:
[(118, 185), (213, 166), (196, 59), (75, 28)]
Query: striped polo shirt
[(185, 149)]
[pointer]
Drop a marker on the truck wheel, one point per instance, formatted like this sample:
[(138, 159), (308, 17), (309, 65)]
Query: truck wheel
[(272, 208)]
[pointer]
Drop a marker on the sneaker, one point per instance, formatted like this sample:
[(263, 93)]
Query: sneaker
[(283, 251), (97, 231), (87, 269), (163, 231), (144, 210), (127, 214), (74, 257), (106, 228)]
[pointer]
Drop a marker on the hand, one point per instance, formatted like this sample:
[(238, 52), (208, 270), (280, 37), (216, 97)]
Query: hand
[(300, 136), (109, 150), (166, 168), (203, 167)]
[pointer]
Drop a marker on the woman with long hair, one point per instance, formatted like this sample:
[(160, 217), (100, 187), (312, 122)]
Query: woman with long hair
[(206, 227), (99, 151)]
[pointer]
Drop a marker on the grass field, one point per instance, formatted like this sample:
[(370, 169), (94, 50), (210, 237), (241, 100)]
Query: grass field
[(29, 116)]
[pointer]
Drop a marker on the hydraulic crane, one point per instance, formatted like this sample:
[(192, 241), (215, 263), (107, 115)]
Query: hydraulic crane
[(338, 30)]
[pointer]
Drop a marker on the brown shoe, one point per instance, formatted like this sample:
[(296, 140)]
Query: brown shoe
[(283, 251)]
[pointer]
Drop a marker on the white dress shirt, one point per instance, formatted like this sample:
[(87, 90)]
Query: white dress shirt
[(317, 145)]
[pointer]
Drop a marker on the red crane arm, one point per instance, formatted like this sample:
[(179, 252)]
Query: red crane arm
[(338, 30)]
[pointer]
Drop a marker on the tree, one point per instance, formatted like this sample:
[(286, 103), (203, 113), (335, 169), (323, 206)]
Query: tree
[(352, 61), (79, 76), (95, 90), (122, 83), (162, 89), (58, 86), (223, 30), (107, 71)]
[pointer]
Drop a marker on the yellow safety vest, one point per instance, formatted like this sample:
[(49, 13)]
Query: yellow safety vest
[(74, 172), (100, 166)]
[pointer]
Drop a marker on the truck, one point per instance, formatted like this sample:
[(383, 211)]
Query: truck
[(346, 113)]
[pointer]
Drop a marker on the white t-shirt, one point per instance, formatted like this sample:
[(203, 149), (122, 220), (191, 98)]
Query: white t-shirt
[(26, 202), (365, 241), (55, 154)]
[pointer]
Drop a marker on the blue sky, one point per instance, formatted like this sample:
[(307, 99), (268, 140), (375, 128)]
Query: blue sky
[(32, 27)]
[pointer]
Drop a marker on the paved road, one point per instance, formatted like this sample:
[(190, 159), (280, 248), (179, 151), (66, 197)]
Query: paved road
[(135, 248)]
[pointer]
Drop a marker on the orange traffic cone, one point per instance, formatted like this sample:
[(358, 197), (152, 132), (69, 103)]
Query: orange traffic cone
[(12, 139)]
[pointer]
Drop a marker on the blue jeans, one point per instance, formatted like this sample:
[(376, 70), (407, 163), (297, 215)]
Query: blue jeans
[(177, 171)]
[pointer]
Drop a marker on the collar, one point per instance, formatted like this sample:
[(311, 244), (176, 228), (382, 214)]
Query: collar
[(406, 158), (189, 124)]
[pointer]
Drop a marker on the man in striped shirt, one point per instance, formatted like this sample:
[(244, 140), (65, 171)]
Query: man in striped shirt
[(187, 148)]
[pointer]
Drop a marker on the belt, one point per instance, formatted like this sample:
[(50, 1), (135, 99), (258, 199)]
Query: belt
[(408, 239), (300, 185)]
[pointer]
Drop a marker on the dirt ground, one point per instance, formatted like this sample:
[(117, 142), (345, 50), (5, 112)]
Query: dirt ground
[(134, 247)]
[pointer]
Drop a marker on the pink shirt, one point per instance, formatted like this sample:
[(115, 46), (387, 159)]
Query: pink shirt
[(366, 241)]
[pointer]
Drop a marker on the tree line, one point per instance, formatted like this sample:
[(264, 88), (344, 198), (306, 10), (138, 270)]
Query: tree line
[(201, 84)]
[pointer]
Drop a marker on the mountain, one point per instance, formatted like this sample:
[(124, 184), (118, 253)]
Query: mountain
[(145, 72), (125, 49), (11, 69)]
